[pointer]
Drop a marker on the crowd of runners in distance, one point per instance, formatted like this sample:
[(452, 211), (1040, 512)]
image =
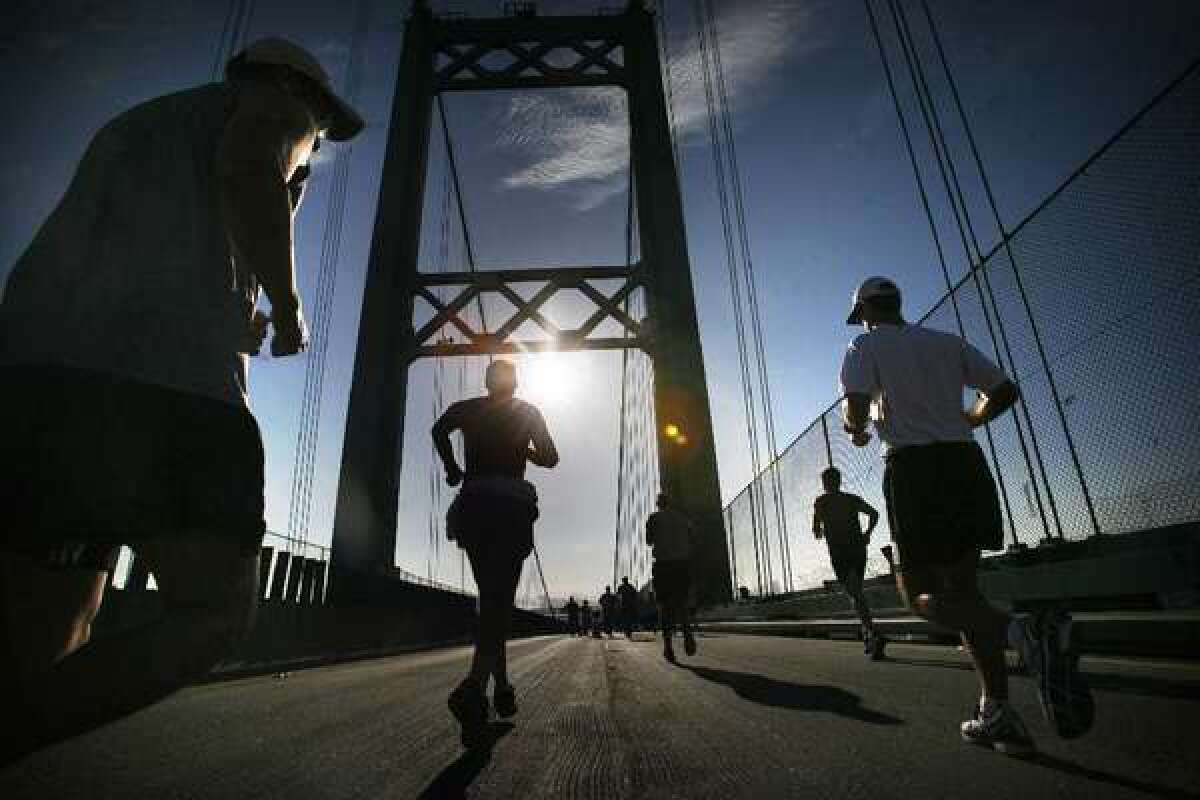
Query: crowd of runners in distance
[(126, 329)]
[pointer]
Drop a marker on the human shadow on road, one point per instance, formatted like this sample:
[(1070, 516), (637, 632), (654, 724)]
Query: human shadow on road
[(1078, 770), (452, 782), (794, 696)]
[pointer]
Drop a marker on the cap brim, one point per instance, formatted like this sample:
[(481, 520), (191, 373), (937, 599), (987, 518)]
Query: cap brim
[(855, 317), (346, 124)]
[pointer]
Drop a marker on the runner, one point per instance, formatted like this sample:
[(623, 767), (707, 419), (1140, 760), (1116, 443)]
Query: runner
[(943, 508), (629, 606), (572, 616), (669, 533), (836, 519), (125, 332), (608, 611), (586, 621), (492, 519)]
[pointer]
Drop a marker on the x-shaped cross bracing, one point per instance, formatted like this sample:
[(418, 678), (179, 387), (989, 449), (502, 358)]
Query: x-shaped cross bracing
[(471, 285)]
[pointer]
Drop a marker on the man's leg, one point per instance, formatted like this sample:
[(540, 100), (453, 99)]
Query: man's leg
[(511, 578), (853, 583), (46, 613), (208, 588), (949, 596)]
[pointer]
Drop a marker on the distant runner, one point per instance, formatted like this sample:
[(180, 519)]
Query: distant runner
[(629, 606), (572, 616), (669, 533), (492, 519), (836, 519), (943, 509), (585, 618), (609, 605)]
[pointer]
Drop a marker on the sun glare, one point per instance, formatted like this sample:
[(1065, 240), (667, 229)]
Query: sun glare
[(545, 379)]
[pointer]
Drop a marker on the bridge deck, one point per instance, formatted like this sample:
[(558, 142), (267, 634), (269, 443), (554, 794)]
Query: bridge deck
[(750, 716)]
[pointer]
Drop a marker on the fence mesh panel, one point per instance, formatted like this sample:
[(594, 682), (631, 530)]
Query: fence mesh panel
[(1107, 273)]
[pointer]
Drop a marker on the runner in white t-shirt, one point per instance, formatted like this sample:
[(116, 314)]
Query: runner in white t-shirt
[(943, 509)]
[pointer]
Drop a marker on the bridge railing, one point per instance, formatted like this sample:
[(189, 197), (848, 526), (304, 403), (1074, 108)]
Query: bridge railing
[(1106, 272)]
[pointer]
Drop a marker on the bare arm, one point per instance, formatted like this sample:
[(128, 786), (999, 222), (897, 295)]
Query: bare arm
[(856, 412), (268, 137), (992, 404), (442, 429), (872, 515), (543, 452)]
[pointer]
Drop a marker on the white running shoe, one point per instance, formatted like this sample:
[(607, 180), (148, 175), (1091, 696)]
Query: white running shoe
[(1000, 728)]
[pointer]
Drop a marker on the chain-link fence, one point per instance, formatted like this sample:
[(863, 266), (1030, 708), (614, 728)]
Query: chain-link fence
[(1095, 298)]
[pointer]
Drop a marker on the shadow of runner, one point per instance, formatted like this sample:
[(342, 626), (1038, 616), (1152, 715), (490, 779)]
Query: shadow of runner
[(453, 781), (795, 696), (1078, 770)]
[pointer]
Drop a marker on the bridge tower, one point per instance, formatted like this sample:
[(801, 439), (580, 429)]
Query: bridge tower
[(450, 54)]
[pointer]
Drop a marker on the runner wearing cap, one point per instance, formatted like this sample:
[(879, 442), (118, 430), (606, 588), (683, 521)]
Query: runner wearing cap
[(943, 509), (125, 330)]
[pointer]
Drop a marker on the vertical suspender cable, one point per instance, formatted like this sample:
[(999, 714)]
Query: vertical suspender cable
[(757, 338), (970, 243), (937, 243), (1005, 238)]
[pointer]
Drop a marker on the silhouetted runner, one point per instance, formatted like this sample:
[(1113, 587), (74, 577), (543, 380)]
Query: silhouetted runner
[(492, 519), (572, 616), (628, 595), (586, 618), (669, 533), (609, 605), (836, 519), (125, 331), (943, 508)]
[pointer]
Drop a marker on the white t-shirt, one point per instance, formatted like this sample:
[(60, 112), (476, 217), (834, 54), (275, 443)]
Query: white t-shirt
[(915, 377), (670, 534)]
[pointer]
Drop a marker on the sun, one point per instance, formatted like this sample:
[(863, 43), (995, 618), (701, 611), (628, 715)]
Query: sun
[(545, 379)]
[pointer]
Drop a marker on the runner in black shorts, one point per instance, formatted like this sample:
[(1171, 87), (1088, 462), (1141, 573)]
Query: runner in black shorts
[(125, 332), (943, 509), (669, 532), (492, 519), (836, 519)]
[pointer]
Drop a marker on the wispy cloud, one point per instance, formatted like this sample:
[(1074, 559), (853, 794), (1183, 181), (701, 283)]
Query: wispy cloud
[(579, 140)]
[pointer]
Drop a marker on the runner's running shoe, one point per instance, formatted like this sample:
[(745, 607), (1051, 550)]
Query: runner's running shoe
[(1064, 693), (504, 698), (689, 643), (878, 643), (999, 728), (469, 706)]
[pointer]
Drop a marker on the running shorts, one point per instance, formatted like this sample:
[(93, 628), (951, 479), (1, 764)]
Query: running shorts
[(941, 503), (672, 582), (92, 461)]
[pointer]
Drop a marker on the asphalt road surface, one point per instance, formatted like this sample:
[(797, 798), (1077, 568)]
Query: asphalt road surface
[(752, 717)]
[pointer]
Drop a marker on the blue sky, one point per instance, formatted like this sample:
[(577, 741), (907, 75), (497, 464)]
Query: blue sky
[(830, 195)]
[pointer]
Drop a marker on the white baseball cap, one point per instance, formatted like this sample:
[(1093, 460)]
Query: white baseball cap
[(346, 122), (876, 286)]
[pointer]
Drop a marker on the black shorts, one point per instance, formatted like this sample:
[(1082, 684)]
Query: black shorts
[(93, 461), (941, 503), (491, 522), (848, 563), (672, 582)]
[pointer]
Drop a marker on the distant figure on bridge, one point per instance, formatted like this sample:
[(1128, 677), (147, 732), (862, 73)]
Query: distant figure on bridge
[(943, 508), (585, 618), (492, 519), (125, 331), (572, 616), (609, 605), (628, 595), (669, 532), (836, 519)]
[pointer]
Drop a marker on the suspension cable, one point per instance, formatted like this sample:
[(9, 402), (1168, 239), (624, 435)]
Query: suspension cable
[(970, 244), (937, 241), (1005, 237)]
